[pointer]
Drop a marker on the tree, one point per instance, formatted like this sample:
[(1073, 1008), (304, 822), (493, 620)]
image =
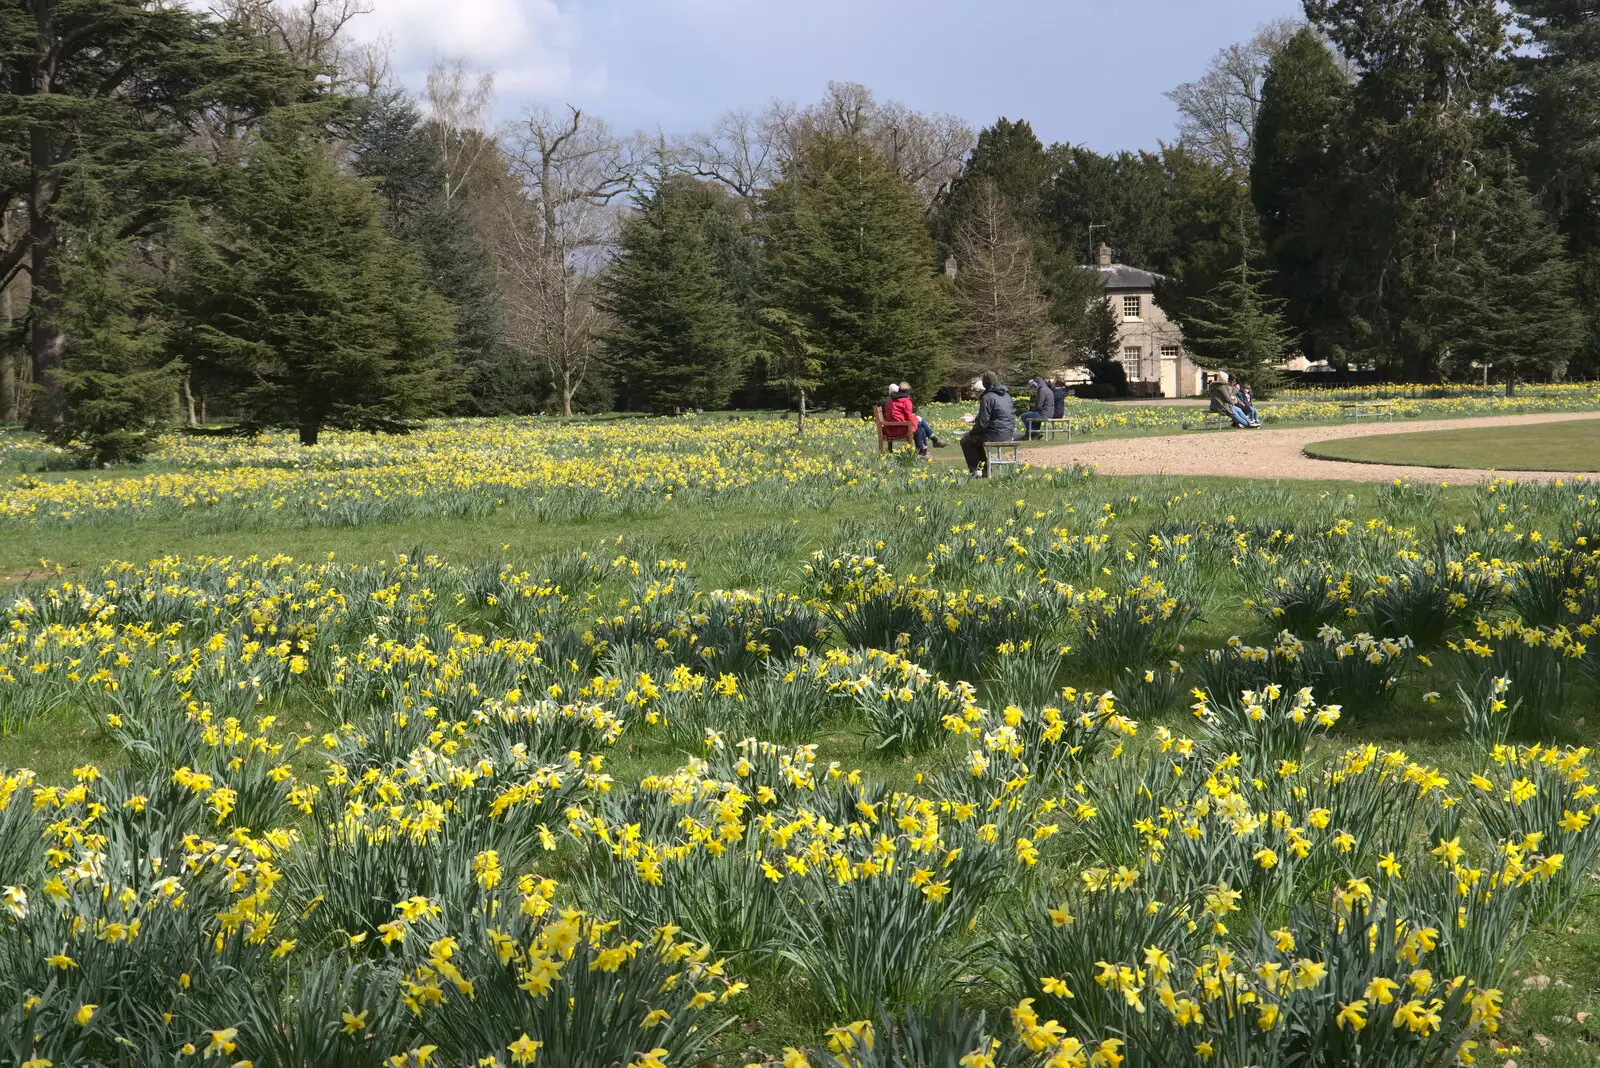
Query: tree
[(678, 337), (1218, 112), (1239, 327), (1003, 315), (295, 294), (116, 382), (792, 362), (1506, 302), (1297, 190), (551, 238), (432, 211), (852, 262), (109, 91), (1555, 102)]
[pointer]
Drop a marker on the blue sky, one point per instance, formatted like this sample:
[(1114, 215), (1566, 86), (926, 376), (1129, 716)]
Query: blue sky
[(1080, 71)]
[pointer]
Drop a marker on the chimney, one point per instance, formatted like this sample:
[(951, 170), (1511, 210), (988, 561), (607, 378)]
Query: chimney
[(1103, 254)]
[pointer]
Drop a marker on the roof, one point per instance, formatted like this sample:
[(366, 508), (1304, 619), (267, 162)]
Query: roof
[(1121, 276)]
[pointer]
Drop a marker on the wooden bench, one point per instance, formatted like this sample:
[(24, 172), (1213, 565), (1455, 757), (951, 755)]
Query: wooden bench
[(886, 438), (1374, 409), (1001, 457)]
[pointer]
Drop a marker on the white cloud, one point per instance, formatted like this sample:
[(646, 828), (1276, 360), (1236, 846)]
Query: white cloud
[(532, 46)]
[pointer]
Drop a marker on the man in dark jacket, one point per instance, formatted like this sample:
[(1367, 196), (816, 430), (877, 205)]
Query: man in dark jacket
[(995, 421)]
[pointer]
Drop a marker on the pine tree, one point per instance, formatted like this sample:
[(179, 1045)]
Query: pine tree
[(1506, 302), (111, 91), (393, 145), (678, 338), (792, 362), (1556, 106), (295, 293), (1239, 327), (851, 260), (1003, 316), (1296, 188), (116, 384)]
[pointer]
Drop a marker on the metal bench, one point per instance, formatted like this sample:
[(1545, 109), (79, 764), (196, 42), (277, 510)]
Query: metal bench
[(1368, 409), (1049, 428), (1000, 457)]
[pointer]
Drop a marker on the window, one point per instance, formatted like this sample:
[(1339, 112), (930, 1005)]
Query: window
[(1132, 358), (1169, 352), (1132, 307)]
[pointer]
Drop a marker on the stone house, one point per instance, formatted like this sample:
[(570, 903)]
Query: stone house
[(1152, 346)]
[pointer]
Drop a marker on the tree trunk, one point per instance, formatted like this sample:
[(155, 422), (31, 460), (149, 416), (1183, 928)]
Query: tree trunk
[(47, 343), (567, 390), (187, 397), (800, 424), (309, 431), (9, 409)]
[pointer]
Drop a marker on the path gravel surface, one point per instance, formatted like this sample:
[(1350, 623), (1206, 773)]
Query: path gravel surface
[(1276, 453)]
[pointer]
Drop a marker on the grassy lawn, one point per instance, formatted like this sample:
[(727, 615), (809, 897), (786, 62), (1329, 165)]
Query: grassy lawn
[(928, 527), (1565, 446)]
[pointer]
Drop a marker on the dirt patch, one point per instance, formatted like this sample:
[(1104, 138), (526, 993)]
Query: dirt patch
[(1277, 453)]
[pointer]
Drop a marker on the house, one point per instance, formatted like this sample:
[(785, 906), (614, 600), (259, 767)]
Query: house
[(1152, 346)]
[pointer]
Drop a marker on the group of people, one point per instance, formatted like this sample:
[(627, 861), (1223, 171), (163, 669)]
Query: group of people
[(1049, 402), (995, 420), (1237, 402)]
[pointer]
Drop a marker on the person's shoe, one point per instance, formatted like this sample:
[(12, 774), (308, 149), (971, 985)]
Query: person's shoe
[(940, 443), (924, 453)]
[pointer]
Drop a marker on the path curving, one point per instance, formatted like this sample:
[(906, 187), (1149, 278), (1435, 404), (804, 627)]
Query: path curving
[(1275, 453)]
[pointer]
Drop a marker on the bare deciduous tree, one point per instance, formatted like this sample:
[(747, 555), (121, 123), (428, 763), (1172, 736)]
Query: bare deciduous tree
[(743, 151), (552, 234), (1217, 113), (311, 31), (456, 107), (1003, 312)]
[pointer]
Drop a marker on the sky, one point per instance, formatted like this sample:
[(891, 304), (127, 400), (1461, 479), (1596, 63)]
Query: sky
[(1080, 71)]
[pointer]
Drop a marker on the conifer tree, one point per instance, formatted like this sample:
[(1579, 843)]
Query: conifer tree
[(294, 292), (116, 383), (678, 337), (1296, 188), (1003, 319), (792, 362), (1239, 327), (851, 260)]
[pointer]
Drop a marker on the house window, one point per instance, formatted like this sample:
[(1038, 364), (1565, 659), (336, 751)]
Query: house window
[(1132, 357), (1132, 307), (1169, 352)]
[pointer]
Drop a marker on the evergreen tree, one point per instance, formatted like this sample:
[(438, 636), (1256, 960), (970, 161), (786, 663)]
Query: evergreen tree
[(1556, 105), (116, 384), (678, 338), (1003, 314), (792, 362), (851, 261), (1239, 328), (111, 91), (1507, 301), (393, 145), (1296, 188), (295, 293)]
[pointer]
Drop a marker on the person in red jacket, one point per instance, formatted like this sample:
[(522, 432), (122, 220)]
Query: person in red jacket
[(901, 409)]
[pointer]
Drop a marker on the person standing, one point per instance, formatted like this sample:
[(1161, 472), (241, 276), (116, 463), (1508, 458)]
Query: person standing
[(994, 421)]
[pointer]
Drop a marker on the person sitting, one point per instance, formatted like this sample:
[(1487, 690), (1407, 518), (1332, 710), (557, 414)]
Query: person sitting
[(995, 421), (1044, 401), (1224, 401), (1058, 389), (1247, 403), (901, 409)]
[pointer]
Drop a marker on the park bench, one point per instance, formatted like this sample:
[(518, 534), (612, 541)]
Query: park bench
[(886, 431), (1049, 428), (1207, 420), (1000, 457), (1371, 409)]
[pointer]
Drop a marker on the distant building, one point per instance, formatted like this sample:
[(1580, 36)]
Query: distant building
[(1152, 346)]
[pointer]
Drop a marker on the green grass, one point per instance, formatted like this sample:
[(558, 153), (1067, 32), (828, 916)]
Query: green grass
[(1565, 446)]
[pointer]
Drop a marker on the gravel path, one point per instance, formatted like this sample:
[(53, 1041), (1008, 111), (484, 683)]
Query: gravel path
[(1276, 453)]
